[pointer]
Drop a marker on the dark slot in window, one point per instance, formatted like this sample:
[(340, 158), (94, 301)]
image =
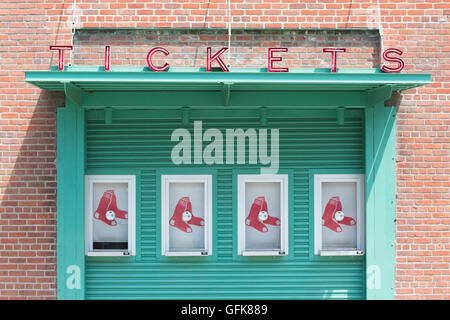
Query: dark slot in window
[(110, 245)]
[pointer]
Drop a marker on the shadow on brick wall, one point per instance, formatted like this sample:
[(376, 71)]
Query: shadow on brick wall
[(28, 197)]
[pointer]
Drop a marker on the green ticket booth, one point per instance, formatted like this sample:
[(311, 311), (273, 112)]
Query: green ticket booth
[(246, 184)]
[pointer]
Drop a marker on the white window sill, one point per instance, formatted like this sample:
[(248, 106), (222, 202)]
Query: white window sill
[(328, 253), (108, 254), (187, 254), (263, 253)]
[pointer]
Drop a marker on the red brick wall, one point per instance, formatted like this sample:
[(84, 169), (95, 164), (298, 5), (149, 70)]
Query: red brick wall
[(27, 115)]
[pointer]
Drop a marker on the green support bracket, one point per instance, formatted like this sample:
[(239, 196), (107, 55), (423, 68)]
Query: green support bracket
[(185, 116), (395, 100), (340, 115), (378, 95), (73, 93), (263, 116), (108, 115), (226, 91)]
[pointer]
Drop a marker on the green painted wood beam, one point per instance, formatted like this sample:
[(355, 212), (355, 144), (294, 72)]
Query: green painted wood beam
[(253, 114), (380, 201), (70, 202), (238, 99)]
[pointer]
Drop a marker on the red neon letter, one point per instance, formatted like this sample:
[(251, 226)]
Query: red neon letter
[(272, 59), (400, 62), (216, 57), (334, 52), (107, 57), (61, 54), (149, 59)]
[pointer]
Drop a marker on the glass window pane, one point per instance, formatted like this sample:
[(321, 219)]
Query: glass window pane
[(339, 215), (262, 216), (110, 216), (187, 216)]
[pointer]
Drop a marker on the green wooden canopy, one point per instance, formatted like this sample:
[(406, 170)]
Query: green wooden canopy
[(93, 87)]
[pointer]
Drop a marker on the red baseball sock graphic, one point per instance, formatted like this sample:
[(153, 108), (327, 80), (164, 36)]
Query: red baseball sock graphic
[(345, 220), (182, 215), (121, 214), (333, 215), (270, 220), (259, 215), (348, 221), (328, 214), (196, 221), (252, 219), (107, 210)]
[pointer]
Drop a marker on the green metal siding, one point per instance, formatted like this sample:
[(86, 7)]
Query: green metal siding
[(140, 140)]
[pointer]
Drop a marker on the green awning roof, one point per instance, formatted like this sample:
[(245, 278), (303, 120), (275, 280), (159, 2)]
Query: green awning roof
[(180, 79), (92, 87)]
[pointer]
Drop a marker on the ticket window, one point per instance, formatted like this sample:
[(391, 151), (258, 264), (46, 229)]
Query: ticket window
[(186, 215), (110, 205), (339, 214), (263, 215)]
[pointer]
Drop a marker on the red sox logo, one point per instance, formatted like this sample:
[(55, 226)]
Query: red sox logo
[(182, 216), (107, 210), (333, 215), (259, 216)]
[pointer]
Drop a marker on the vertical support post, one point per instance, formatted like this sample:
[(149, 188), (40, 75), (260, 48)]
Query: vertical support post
[(70, 201), (380, 201)]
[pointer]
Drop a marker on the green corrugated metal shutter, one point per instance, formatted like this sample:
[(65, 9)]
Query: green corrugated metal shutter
[(140, 140)]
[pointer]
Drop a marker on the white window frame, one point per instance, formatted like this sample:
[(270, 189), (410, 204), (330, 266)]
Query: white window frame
[(89, 209), (165, 214), (283, 179), (359, 179)]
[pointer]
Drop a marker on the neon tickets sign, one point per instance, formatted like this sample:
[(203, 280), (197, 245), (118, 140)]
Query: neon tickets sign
[(274, 58)]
